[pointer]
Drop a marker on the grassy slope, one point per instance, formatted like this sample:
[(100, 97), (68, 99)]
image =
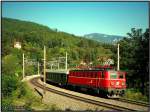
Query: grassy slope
[(31, 100)]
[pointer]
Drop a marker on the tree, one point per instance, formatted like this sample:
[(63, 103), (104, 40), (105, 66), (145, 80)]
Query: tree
[(9, 84), (10, 65), (134, 56)]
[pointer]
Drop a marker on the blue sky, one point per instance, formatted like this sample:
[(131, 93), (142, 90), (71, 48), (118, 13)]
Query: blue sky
[(79, 18)]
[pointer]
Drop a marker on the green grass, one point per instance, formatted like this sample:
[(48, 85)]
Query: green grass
[(135, 95), (30, 100)]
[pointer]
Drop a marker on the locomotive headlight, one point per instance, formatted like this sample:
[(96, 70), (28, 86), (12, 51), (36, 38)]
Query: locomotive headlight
[(112, 83), (123, 83)]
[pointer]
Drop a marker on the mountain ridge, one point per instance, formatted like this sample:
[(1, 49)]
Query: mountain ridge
[(104, 38)]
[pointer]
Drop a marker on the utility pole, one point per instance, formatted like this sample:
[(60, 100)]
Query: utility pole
[(23, 73), (118, 68), (44, 70), (66, 61)]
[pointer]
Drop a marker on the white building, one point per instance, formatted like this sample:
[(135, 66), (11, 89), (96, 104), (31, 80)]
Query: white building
[(17, 45)]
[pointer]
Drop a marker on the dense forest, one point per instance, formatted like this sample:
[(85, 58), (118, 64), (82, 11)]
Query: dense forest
[(134, 49), (34, 36)]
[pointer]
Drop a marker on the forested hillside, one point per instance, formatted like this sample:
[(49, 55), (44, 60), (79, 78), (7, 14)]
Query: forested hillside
[(34, 36)]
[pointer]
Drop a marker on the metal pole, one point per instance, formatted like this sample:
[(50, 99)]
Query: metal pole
[(66, 61), (118, 68), (23, 72), (44, 69)]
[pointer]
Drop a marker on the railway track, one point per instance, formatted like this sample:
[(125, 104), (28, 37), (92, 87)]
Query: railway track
[(133, 102), (98, 103)]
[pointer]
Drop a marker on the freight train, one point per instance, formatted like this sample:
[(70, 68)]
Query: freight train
[(103, 79)]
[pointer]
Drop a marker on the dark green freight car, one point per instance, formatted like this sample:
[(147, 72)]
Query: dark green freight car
[(57, 76)]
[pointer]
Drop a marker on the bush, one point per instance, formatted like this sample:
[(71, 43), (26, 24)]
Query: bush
[(10, 64), (7, 105), (30, 70), (20, 91), (28, 105), (135, 94), (9, 84)]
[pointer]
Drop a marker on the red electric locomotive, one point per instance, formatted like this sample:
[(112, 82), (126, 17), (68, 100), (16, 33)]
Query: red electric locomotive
[(103, 79)]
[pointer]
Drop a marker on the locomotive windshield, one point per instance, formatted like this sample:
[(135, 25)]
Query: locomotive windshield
[(113, 75)]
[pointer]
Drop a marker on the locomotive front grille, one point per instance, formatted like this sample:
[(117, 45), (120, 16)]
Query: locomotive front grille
[(116, 91)]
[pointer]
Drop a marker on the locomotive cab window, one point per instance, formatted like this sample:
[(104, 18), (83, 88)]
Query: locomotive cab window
[(113, 75), (121, 76)]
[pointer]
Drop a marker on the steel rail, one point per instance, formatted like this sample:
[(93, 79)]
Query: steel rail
[(134, 102), (98, 103)]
